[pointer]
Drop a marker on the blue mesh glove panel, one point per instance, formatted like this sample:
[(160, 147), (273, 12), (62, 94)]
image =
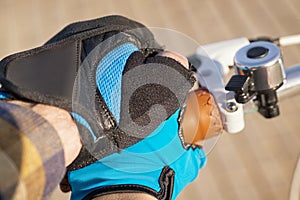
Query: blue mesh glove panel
[(109, 74)]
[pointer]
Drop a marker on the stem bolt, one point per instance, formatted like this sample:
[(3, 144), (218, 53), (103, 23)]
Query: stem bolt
[(231, 106)]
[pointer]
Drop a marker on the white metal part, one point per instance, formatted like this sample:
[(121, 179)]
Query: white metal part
[(223, 52), (233, 121), (213, 66), (289, 40)]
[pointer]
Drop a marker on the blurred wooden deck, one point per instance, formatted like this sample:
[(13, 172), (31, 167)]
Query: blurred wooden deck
[(256, 164)]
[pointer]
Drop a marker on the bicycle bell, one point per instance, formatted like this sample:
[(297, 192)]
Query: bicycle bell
[(260, 73)]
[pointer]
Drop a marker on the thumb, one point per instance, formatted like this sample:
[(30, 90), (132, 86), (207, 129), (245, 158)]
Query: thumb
[(201, 118)]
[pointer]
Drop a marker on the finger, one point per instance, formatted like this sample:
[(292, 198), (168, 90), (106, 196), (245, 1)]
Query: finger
[(176, 56), (182, 60)]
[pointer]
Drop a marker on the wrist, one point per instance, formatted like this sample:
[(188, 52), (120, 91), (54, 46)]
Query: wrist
[(33, 151), (65, 127), (126, 196), (63, 124)]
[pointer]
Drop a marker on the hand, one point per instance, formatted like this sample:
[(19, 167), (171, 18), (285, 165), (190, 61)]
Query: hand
[(145, 143)]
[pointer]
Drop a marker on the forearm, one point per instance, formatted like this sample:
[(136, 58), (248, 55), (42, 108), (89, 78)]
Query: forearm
[(32, 151)]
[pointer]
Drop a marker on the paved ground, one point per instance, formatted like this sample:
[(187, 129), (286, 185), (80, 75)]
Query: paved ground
[(256, 164)]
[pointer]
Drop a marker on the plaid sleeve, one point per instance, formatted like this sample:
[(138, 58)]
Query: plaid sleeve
[(31, 154)]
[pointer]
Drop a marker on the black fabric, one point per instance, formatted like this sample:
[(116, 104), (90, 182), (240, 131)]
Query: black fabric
[(147, 96), (153, 88), (135, 59), (188, 74), (106, 24), (43, 72), (62, 56), (166, 182), (43, 75)]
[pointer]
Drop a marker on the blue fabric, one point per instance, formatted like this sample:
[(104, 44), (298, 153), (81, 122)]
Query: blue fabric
[(142, 163), (109, 75), (83, 122), (3, 95)]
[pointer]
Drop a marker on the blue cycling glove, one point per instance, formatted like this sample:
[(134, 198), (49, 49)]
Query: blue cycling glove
[(147, 106)]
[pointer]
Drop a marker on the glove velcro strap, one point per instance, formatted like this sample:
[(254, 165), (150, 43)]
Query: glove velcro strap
[(43, 75), (166, 182)]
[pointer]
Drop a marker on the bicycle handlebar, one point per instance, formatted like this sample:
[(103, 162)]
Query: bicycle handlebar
[(213, 63), (292, 84)]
